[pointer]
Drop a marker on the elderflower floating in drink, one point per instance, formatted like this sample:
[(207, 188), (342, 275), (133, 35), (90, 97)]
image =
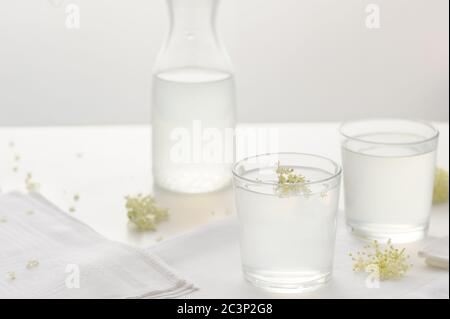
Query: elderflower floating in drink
[(287, 206), (389, 170)]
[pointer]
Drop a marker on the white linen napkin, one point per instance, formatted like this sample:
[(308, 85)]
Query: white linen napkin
[(46, 253), (215, 247)]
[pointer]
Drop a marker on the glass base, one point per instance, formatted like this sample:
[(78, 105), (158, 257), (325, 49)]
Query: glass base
[(286, 282), (383, 233)]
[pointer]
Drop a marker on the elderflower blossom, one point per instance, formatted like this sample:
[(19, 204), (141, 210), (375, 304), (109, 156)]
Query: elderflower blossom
[(440, 194), (32, 264), (143, 212), (290, 183), (32, 187), (11, 275), (390, 262)]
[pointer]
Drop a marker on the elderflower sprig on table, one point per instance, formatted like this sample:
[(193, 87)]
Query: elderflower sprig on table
[(440, 194), (143, 212), (31, 186), (390, 262), (32, 264), (11, 275), (290, 183)]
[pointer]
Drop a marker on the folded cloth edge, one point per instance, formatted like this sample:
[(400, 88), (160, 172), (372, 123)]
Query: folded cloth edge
[(182, 286)]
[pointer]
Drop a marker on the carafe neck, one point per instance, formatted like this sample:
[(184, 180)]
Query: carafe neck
[(192, 40), (193, 17)]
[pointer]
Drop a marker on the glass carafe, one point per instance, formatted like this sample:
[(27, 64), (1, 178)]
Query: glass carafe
[(193, 103)]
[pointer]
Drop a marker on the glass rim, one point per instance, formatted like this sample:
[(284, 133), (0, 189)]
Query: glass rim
[(434, 136), (337, 168)]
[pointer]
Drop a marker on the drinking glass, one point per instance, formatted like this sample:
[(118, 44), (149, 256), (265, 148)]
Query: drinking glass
[(287, 230), (389, 169)]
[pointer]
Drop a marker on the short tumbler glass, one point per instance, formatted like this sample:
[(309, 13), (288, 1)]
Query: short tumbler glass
[(389, 169), (287, 231)]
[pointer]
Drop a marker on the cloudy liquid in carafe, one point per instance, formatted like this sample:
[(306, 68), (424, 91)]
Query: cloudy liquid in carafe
[(193, 118)]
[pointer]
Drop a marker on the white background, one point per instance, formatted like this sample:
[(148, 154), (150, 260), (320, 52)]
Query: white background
[(295, 60)]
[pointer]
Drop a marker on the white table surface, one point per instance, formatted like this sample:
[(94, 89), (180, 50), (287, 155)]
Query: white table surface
[(103, 164)]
